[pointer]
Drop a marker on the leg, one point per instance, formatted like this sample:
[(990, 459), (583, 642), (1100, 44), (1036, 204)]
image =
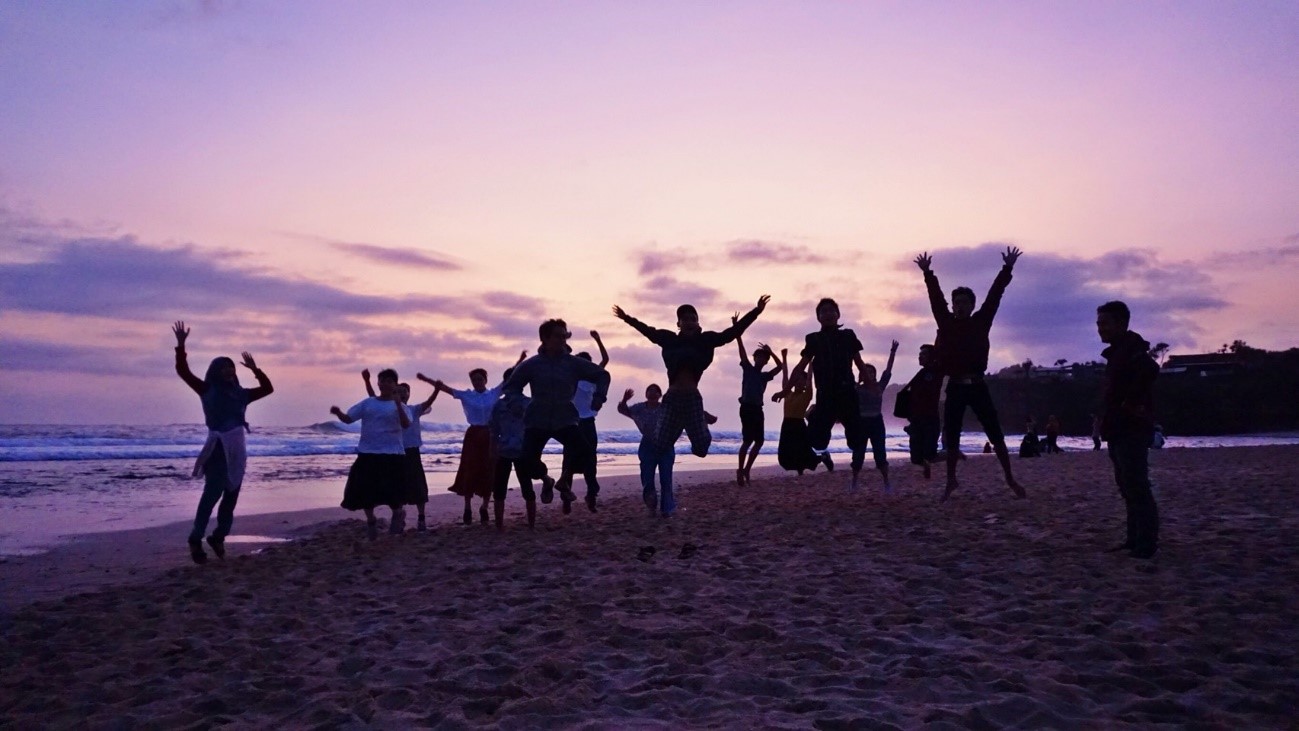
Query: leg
[(1133, 467), (981, 404), (696, 425), (500, 486), (672, 422), (753, 457), (953, 415), (591, 439), (667, 500), (739, 470), (875, 434), (371, 524), (574, 449), (648, 463)]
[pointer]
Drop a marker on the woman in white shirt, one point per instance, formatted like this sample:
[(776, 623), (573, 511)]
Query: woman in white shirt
[(378, 476)]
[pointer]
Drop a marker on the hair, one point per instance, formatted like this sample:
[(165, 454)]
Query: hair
[(549, 326), (684, 310), (508, 372), (656, 387), (478, 370), (927, 346), (827, 301), (212, 377), (964, 291), (764, 351), (404, 385), (871, 367), (1118, 310), (584, 355), (387, 373)]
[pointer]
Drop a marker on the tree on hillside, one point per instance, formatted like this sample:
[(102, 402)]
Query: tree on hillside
[(1159, 352)]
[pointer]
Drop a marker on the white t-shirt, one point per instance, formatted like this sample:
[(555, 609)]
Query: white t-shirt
[(582, 398), (380, 427), (477, 406), (411, 436)]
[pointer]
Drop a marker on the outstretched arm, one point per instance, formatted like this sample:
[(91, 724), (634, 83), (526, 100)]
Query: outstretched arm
[(937, 302), (604, 354), (622, 405), (522, 357), (342, 415), (653, 334), (738, 327), (739, 341), (264, 387), (780, 364), (427, 403), (182, 362), (887, 375), (784, 374), (365, 376), (998, 288)]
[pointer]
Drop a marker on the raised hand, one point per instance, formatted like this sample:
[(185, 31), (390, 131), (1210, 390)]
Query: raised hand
[(336, 411), (249, 363), (894, 348), (924, 261), (762, 302), (365, 374), (626, 395), (618, 313), (425, 379), (735, 319), (181, 331), (595, 336), (1011, 256)]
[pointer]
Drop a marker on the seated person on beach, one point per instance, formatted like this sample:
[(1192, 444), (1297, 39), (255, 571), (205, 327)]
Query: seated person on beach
[(753, 384), (687, 353), (224, 456), (378, 476), (962, 345), (553, 374)]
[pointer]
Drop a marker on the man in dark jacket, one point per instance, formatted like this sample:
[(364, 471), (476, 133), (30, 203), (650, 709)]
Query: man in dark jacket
[(1128, 423), (962, 345)]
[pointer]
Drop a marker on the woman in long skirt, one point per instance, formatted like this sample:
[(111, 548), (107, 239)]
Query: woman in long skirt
[(378, 476)]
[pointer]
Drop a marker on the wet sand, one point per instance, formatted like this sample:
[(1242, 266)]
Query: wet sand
[(803, 606)]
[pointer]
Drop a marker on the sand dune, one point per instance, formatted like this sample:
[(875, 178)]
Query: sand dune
[(803, 606)]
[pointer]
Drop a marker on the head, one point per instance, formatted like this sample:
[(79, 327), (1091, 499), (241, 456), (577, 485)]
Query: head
[(1112, 321), (478, 378), (688, 320), (584, 355), (928, 356), (827, 312), (221, 370), (403, 392), (868, 375), (508, 372), (387, 383), (554, 336), (761, 357), (653, 393), (962, 302)]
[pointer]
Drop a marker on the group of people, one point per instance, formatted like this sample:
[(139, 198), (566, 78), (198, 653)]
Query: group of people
[(830, 384)]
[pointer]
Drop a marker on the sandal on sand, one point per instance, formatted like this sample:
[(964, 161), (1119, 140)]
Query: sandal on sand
[(218, 546), (688, 551), (196, 551), (646, 553)]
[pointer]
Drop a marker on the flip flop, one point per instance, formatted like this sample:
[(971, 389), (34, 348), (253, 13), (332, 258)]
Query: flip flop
[(688, 551), (646, 553)]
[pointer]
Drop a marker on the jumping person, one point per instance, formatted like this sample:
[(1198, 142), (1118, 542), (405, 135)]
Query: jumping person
[(831, 352), (962, 345), (507, 429), (646, 415), (586, 423), (224, 456), (474, 473), (917, 402), (793, 452), (378, 476), (753, 385), (870, 404), (687, 353), (1128, 423), (553, 374)]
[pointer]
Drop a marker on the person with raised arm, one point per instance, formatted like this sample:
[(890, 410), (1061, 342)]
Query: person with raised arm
[(224, 456), (870, 403), (793, 452), (917, 402), (962, 345), (753, 386), (646, 415), (378, 476), (586, 423), (412, 439), (687, 353), (831, 353), (552, 375), (474, 474), (507, 444)]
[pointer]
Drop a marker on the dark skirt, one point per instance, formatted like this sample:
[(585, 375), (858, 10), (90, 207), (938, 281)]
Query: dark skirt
[(477, 467), (794, 453), (416, 483), (374, 480)]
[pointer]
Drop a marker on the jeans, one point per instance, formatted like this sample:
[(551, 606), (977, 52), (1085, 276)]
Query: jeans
[(874, 427), (1130, 454), (651, 458), (216, 487)]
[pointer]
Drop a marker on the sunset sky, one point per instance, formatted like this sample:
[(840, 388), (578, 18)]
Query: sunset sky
[(339, 185)]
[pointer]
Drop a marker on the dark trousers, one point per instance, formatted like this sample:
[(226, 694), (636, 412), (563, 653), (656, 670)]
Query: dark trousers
[(216, 486), (587, 468), (501, 478), (837, 407), (1132, 473), (534, 440), (924, 440), (975, 396)]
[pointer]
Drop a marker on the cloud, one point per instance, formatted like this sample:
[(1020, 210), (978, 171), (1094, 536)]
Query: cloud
[(756, 252), (668, 291), (21, 354), (397, 257), (1270, 256), (740, 252)]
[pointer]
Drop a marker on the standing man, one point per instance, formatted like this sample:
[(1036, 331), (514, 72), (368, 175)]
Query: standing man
[(1128, 423), (962, 345)]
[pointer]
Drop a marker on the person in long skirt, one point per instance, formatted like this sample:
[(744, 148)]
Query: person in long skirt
[(794, 452), (475, 472), (223, 457), (378, 476), (412, 439), (653, 457)]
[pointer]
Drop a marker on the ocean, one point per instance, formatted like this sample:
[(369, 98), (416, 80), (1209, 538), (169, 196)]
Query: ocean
[(58, 481)]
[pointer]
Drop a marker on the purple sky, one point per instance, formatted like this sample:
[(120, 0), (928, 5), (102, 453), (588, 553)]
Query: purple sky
[(344, 185)]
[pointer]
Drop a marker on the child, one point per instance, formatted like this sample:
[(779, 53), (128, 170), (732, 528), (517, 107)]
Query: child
[(646, 415), (753, 383), (870, 402)]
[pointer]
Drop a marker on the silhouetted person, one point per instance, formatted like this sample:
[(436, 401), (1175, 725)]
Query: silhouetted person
[(1052, 434), (917, 402), (753, 385), (1128, 423), (831, 352), (224, 456), (962, 345)]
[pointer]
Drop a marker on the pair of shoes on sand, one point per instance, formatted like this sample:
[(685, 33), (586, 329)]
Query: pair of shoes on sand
[(196, 548), (647, 552)]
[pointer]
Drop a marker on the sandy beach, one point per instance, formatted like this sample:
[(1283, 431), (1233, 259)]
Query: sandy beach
[(803, 606)]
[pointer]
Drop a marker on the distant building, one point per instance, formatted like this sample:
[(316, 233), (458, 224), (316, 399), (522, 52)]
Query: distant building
[(1206, 365)]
